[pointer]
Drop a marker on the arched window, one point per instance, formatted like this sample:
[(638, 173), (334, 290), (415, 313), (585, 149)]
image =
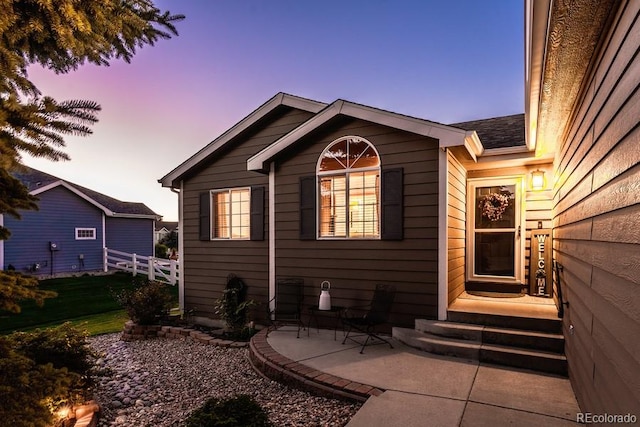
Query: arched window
[(349, 187)]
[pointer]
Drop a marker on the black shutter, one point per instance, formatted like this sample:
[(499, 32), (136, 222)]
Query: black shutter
[(257, 213), (205, 216), (392, 204), (308, 208)]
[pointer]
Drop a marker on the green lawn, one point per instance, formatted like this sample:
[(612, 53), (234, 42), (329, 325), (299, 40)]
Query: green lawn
[(85, 300)]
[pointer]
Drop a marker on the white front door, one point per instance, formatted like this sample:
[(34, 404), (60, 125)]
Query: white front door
[(494, 230)]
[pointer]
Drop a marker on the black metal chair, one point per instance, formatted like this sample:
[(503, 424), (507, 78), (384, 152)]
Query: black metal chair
[(287, 304), (375, 314)]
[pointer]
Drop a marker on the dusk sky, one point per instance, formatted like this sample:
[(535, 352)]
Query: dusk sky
[(445, 61)]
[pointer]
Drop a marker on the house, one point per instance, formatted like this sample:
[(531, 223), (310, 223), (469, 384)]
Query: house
[(357, 195), (163, 228), (72, 226)]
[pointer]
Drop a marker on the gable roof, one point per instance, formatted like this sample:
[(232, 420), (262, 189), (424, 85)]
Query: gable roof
[(39, 182), (498, 132), (280, 99), (167, 225), (446, 135)]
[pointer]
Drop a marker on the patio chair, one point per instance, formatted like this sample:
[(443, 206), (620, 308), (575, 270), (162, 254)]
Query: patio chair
[(375, 314), (287, 304)]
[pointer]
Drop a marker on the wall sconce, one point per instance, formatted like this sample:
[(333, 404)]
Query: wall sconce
[(537, 179)]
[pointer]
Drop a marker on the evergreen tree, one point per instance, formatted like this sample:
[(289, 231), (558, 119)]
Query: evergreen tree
[(59, 35)]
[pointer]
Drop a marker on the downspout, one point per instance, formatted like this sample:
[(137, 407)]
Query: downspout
[(443, 244), (180, 248), (272, 237), (104, 241)]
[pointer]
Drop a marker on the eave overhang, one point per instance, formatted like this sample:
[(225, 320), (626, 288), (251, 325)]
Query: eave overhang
[(446, 135), (562, 40), (281, 99), (92, 201)]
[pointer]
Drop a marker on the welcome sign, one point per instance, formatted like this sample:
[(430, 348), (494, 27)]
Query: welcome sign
[(540, 267)]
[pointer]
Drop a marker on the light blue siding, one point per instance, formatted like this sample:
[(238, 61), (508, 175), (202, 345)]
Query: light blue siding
[(60, 213)]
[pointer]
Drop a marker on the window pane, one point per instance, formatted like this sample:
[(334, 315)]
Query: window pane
[(333, 211), (495, 207), (335, 158), (221, 211), (494, 254), (240, 214), (363, 204), (362, 155)]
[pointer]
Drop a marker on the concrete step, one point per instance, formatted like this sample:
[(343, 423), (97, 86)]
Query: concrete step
[(436, 344), (536, 360), (492, 335), (540, 324), (532, 340)]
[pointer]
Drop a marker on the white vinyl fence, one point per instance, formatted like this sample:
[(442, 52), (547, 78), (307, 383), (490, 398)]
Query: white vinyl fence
[(162, 270)]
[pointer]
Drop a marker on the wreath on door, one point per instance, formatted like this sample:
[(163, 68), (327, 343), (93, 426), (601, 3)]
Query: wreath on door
[(493, 206)]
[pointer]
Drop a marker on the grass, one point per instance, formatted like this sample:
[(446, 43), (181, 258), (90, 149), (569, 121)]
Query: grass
[(84, 301)]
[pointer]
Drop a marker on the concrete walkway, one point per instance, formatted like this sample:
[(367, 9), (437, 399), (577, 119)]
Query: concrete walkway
[(422, 389)]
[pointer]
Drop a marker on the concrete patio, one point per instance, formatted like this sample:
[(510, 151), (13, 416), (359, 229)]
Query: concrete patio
[(412, 388)]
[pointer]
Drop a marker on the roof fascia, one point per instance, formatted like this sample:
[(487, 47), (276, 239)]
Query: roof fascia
[(138, 216), (279, 99), (74, 190), (92, 201), (537, 15), (446, 135)]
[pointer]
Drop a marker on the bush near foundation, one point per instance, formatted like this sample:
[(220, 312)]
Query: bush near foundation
[(146, 302)]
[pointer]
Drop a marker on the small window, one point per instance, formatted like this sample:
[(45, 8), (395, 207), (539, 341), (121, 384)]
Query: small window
[(231, 213), (349, 188), (85, 234)]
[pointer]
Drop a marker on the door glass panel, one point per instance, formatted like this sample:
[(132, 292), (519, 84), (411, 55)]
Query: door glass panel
[(494, 254), (495, 207)]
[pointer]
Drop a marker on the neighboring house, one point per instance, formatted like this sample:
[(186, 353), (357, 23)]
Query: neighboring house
[(163, 228), (358, 195), (72, 226)]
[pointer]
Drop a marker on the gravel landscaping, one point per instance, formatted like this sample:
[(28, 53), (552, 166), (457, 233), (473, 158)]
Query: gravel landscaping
[(159, 382)]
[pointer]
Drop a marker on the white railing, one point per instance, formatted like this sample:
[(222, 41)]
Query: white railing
[(162, 270)]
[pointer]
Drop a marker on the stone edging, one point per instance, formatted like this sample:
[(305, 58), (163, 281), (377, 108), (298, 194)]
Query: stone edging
[(287, 371), (133, 332)]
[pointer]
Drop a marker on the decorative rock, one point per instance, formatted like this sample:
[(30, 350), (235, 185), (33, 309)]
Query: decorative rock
[(163, 380)]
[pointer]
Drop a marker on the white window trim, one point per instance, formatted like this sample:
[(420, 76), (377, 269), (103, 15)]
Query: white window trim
[(345, 172), (212, 212), (93, 232)]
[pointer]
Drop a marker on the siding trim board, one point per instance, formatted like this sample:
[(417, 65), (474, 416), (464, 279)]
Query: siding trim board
[(447, 136), (280, 99)]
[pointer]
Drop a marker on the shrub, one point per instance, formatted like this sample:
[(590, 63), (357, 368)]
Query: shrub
[(232, 307), (237, 411), (161, 251), (41, 371), (146, 302)]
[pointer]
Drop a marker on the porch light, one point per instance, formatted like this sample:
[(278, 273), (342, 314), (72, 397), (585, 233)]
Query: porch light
[(537, 179)]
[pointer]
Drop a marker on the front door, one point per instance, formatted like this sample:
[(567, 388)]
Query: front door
[(494, 231)]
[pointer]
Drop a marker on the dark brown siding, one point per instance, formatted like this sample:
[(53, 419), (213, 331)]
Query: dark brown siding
[(206, 264), (597, 237), (354, 266), (456, 227)]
